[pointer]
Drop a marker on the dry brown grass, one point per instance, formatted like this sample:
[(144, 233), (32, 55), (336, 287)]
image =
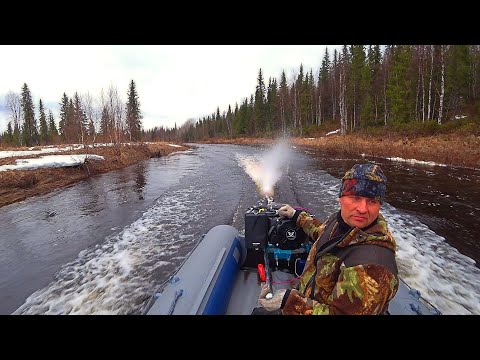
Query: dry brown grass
[(445, 149), (17, 185), (450, 149)]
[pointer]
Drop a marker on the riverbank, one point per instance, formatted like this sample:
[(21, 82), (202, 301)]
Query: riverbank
[(17, 185), (448, 149)]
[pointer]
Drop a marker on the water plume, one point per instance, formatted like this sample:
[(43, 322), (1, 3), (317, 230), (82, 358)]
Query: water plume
[(267, 169)]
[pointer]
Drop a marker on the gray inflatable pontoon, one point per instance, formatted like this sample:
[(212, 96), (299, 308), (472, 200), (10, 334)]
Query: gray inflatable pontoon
[(214, 280)]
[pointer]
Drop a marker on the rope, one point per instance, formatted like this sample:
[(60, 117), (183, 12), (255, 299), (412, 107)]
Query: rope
[(416, 308), (178, 293), (285, 282)]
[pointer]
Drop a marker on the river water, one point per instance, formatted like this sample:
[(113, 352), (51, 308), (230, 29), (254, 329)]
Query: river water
[(103, 246)]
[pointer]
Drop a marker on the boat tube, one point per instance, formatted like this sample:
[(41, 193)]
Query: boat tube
[(221, 277)]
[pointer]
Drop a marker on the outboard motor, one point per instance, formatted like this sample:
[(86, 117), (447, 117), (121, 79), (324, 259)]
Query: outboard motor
[(285, 243), (285, 234)]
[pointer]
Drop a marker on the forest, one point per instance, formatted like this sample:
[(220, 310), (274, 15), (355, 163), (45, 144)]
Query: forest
[(377, 89), (418, 89)]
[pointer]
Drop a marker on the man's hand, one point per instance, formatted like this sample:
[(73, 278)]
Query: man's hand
[(271, 304), (286, 211)]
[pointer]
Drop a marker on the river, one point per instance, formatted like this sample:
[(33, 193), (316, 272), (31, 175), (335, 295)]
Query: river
[(102, 246)]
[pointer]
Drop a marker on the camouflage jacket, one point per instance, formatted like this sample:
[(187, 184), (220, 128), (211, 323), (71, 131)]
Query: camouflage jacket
[(365, 288)]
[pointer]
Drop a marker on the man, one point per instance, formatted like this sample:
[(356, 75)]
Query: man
[(351, 267)]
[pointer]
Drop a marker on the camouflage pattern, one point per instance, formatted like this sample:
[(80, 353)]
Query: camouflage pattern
[(356, 290), (365, 180)]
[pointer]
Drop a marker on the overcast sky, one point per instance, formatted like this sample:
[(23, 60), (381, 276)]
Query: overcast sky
[(174, 82)]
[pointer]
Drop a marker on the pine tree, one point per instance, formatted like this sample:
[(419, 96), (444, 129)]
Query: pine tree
[(71, 134), (457, 75), (375, 60), (271, 106), (259, 107), (367, 110), (62, 125), (311, 89), (79, 123), (17, 135), (8, 136), (334, 81), (229, 120), (283, 103), (134, 115), (219, 128), (358, 82), (251, 131), (240, 121), (346, 90), (399, 85), (29, 131), (43, 124), (302, 99), (52, 128), (104, 122)]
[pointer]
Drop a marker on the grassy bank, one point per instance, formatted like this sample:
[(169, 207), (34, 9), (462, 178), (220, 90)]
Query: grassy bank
[(442, 149), (458, 149), (451, 149), (17, 185)]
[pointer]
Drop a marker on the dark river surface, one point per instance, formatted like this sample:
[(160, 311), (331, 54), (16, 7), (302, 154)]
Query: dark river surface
[(104, 245)]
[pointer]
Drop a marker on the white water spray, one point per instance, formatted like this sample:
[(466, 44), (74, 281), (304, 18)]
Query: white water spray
[(267, 169)]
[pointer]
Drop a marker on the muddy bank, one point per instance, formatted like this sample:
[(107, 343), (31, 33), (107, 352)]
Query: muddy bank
[(17, 185)]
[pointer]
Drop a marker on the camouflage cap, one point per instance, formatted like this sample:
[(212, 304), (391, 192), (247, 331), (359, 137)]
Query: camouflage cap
[(365, 180)]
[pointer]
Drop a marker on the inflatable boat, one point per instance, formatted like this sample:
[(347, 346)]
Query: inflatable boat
[(224, 273)]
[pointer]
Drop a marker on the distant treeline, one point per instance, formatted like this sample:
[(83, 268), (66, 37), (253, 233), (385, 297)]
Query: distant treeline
[(359, 87), (83, 119)]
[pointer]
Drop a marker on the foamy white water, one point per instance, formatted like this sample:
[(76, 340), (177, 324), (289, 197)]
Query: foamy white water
[(444, 276), (109, 278)]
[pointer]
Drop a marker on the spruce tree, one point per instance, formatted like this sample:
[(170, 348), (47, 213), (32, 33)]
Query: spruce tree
[(80, 122), (134, 115), (70, 134), (43, 124), (358, 82), (229, 121), (259, 107), (104, 122), (324, 97), (399, 85), (284, 118), (29, 131), (52, 128), (457, 75), (271, 106), (62, 125), (8, 136), (367, 110)]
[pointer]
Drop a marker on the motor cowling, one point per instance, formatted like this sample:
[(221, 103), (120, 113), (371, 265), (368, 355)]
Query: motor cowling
[(286, 244), (286, 235)]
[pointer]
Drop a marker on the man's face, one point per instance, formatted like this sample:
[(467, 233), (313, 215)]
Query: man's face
[(359, 211)]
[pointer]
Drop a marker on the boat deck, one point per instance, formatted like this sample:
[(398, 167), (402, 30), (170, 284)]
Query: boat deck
[(247, 289)]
